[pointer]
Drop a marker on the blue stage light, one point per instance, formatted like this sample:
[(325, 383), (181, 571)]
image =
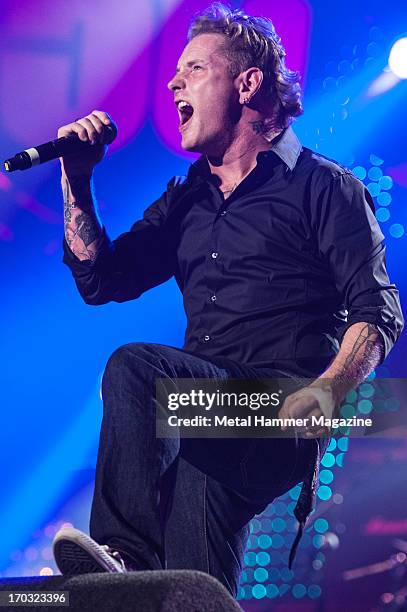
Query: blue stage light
[(328, 460), (263, 558), (261, 574), (272, 591), (321, 525), (382, 214), (397, 230), (259, 591), (299, 590), (314, 591), (326, 476), (398, 58), (325, 492)]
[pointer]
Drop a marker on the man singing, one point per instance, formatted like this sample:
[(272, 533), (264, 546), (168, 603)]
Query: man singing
[(281, 264)]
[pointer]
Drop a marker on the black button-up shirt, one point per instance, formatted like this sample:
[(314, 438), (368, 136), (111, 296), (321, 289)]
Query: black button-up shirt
[(272, 276)]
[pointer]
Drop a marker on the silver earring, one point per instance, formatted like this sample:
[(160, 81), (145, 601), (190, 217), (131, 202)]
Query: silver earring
[(246, 101)]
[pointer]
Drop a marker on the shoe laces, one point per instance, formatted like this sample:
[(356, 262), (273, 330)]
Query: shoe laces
[(115, 554)]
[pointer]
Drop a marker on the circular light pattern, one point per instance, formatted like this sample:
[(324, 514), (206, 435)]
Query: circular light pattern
[(272, 591), (259, 591), (397, 230), (299, 590), (318, 541), (280, 508), (326, 476), (351, 395), (321, 525), (261, 574), (386, 182), (366, 390), (262, 558), (339, 459), (286, 574), (337, 498), (264, 541), (331, 446), (324, 492), (46, 571), (398, 58), (314, 591), (343, 444), (278, 525), (290, 508), (359, 172), (375, 161), (295, 492), (382, 214), (250, 559), (384, 198), (375, 173), (347, 410), (374, 189), (274, 574), (266, 524), (365, 406), (328, 460), (392, 403)]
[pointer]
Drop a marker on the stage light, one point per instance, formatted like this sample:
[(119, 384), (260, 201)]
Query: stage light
[(278, 525), (398, 58), (384, 198), (259, 591), (365, 406), (321, 525), (272, 591), (314, 591), (324, 492), (397, 230), (261, 574), (263, 558), (326, 476), (328, 460)]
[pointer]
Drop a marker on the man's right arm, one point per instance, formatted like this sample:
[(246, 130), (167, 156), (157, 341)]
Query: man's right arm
[(82, 228), (110, 270)]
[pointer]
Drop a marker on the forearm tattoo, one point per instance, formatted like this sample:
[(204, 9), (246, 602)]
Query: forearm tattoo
[(82, 227), (365, 354)]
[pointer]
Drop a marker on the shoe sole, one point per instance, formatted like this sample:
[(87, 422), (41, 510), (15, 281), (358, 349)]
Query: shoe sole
[(76, 553), (71, 559)]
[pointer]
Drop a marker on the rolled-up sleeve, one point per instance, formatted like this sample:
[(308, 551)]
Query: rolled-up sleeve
[(125, 267), (351, 240)]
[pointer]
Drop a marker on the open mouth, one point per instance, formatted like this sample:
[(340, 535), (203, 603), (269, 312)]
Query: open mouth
[(185, 112)]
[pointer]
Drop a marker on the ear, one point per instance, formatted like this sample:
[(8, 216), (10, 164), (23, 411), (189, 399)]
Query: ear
[(249, 84)]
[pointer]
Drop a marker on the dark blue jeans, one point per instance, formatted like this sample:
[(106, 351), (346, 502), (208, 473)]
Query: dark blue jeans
[(181, 503)]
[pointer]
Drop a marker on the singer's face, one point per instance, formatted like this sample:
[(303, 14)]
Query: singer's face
[(203, 80)]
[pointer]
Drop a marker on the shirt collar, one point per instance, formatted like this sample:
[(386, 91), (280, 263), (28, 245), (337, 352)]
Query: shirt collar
[(287, 148)]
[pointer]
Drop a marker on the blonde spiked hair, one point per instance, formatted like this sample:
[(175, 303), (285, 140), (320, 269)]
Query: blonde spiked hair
[(253, 41)]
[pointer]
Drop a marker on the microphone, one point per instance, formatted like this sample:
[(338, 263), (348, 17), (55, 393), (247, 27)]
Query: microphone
[(54, 149)]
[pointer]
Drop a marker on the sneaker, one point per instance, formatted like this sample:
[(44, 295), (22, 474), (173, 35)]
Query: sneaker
[(76, 553)]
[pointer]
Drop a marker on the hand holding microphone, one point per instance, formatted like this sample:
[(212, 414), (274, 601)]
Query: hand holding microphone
[(80, 145)]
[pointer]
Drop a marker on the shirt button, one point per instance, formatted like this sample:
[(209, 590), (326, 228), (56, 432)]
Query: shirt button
[(214, 255), (223, 213), (207, 338), (213, 298)]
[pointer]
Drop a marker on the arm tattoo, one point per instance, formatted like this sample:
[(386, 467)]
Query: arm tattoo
[(364, 350), (81, 224)]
